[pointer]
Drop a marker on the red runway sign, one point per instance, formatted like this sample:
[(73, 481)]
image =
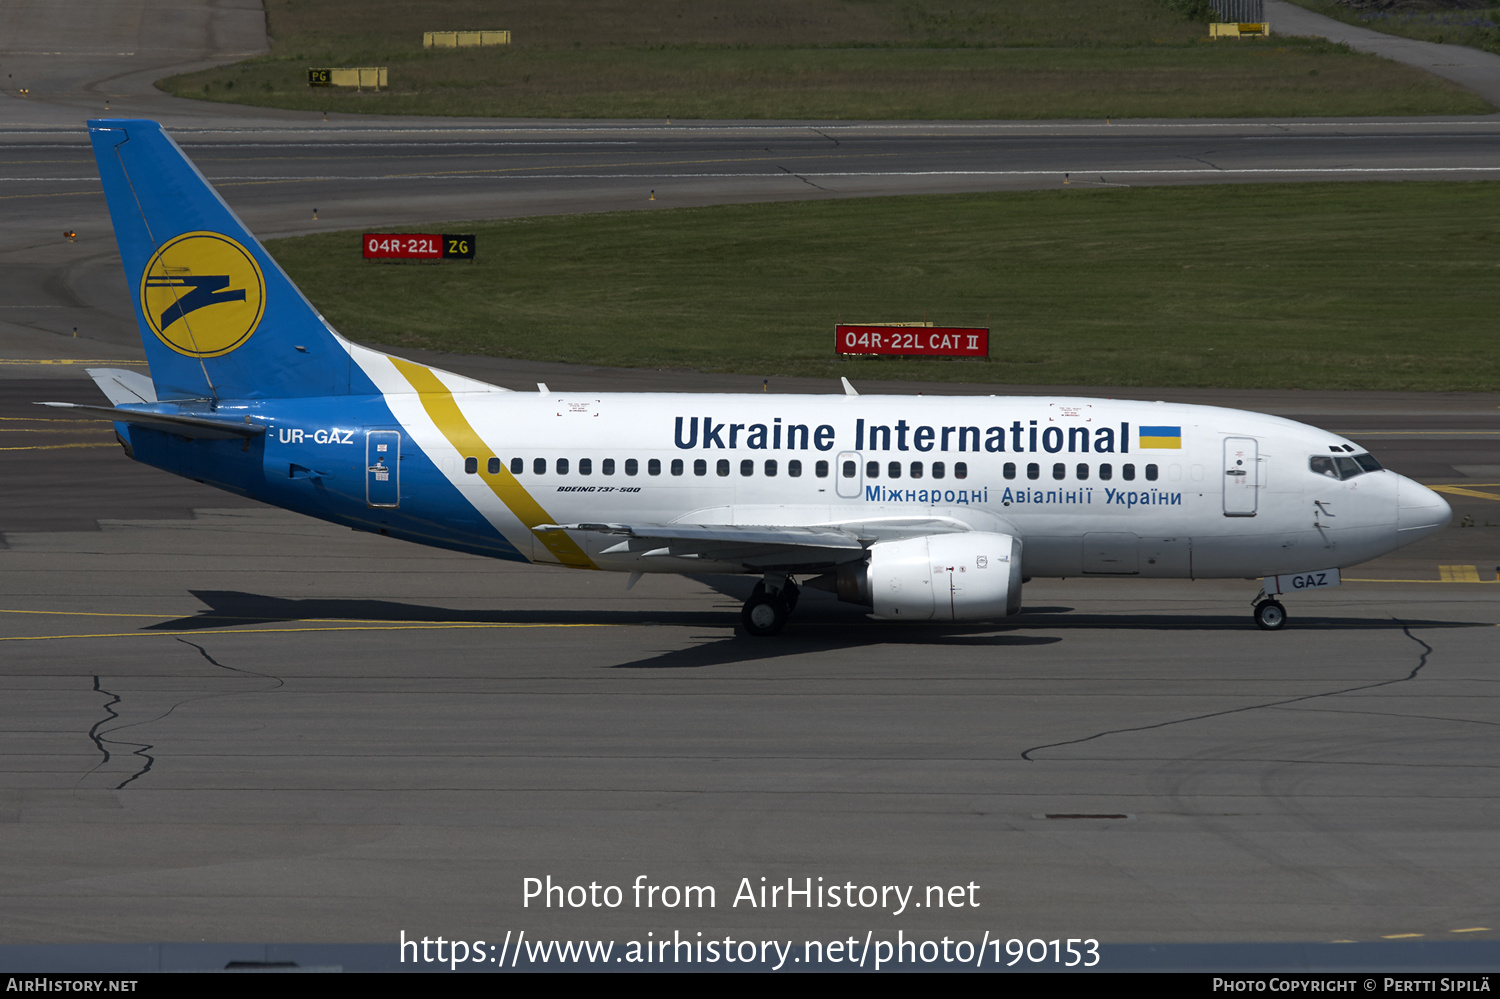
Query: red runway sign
[(418, 246), (924, 341)]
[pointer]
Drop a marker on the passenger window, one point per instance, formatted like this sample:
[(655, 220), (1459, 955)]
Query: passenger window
[(1127, 472), (1033, 471), (1059, 471), (1150, 473), (700, 466), (607, 466), (676, 466), (539, 466), (1010, 470), (848, 470), (770, 468), (1106, 471), (894, 470), (872, 469), (493, 466), (585, 466), (653, 467), (821, 469), (471, 465), (562, 466), (794, 468), (633, 467), (722, 467), (517, 466), (916, 469), (960, 470), (747, 467), (939, 469), (1083, 472)]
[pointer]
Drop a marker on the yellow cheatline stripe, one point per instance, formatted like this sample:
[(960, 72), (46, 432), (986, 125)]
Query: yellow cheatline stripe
[(154, 617), (57, 447), (58, 194), (444, 411), (221, 617), (62, 360), (1462, 491), (57, 430), (282, 631), (1486, 582), (246, 617), (52, 419)]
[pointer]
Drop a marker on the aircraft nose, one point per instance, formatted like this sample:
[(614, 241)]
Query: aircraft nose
[(1419, 511)]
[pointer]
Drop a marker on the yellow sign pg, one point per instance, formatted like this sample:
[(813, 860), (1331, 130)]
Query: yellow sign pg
[(203, 294)]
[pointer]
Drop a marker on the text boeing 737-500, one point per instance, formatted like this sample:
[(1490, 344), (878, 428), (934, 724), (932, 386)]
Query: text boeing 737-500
[(918, 508)]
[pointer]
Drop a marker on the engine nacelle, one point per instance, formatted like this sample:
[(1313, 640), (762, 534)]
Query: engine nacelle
[(972, 576)]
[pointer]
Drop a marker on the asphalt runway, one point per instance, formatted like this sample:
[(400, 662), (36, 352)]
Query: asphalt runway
[(224, 722)]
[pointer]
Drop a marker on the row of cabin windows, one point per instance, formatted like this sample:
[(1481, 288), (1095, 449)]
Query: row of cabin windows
[(915, 471), (1081, 471), (607, 466), (771, 468)]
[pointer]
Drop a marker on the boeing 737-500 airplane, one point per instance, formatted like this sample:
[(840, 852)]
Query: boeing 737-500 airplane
[(918, 508)]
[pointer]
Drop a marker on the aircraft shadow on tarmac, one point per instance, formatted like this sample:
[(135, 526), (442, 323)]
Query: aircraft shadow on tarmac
[(821, 625)]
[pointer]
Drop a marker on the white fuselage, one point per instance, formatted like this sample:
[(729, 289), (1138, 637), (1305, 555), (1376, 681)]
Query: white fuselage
[(1221, 493)]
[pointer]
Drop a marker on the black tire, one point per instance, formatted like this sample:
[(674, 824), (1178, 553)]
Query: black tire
[(1270, 616), (764, 616)]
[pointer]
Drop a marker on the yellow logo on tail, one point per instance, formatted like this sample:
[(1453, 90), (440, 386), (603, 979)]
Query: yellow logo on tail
[(203, 294)]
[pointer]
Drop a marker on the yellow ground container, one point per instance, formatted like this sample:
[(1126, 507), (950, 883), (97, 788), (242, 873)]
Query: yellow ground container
[(463, 39), (362, 77), (1253, 29)]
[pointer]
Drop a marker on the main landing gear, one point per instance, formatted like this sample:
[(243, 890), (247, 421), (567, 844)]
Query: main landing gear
[(770, 604), (1269, 615)]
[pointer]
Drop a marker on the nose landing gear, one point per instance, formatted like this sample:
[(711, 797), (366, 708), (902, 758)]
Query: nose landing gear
[(770, 604), (1269, 615)]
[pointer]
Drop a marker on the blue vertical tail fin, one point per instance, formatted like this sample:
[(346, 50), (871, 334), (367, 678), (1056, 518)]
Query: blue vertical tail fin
[(219, 318)]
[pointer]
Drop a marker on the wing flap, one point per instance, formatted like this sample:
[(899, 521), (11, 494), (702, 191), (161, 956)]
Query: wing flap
[(750, 546)]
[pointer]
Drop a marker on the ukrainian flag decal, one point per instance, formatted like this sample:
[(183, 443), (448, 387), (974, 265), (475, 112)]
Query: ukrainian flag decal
[(1162, 437)]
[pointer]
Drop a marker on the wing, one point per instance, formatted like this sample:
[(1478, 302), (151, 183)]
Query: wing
[(792, 548)]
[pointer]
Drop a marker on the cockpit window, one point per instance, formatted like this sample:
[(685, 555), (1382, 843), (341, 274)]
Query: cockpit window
[(1342, 467)]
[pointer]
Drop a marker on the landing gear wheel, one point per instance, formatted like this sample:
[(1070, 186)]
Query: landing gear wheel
[(1270, 615), (764, 615)]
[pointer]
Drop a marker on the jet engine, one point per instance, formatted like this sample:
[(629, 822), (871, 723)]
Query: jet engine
[(971, 576)]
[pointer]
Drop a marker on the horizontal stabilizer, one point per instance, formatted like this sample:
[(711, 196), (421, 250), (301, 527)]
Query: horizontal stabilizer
[(201, 427), (122, 385)]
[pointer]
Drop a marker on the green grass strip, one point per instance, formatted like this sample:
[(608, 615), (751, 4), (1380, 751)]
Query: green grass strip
[(1337, 286), (813, 59)]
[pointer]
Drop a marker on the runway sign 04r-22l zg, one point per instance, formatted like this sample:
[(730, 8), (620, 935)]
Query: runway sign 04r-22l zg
[(418, 246)]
